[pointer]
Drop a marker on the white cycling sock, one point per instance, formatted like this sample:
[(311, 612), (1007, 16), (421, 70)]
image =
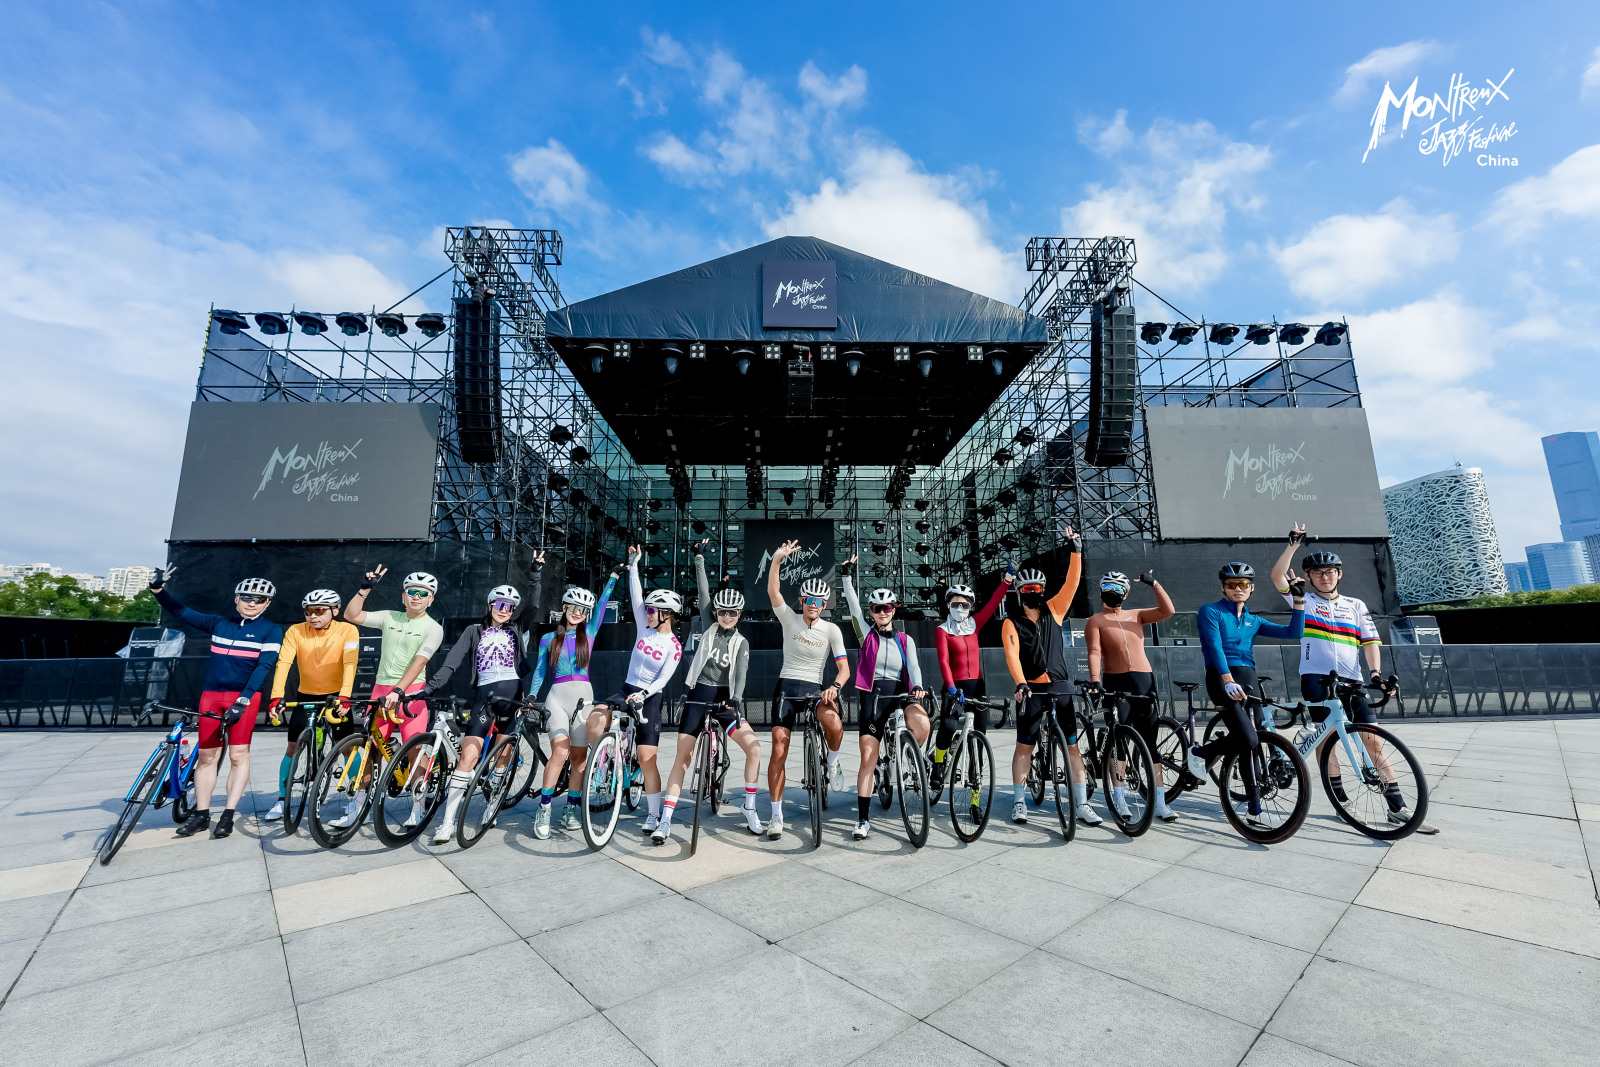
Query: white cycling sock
[(777, 808), (1119, 794), (750, 797), (654, 800), (667, 805), (1080, 794), (1020, 793), (833, 756)]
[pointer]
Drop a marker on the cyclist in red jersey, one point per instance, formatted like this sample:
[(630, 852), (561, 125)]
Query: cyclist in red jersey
[(956, 642)]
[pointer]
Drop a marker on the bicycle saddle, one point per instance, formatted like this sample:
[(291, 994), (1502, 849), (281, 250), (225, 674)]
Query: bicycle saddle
[(1187, 687)]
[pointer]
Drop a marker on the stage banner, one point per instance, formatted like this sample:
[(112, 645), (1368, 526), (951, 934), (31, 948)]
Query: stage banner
[(1252, 472), (814, 560), (800, 294), (314, 472)]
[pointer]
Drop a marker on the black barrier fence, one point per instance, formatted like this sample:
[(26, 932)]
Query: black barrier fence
[(1436, 681)]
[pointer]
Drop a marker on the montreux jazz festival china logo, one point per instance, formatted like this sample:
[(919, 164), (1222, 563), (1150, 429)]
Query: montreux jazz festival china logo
[(316, 473), (1270, 472), (810, 293), (802, 564), (799, 294), (1457, 120)]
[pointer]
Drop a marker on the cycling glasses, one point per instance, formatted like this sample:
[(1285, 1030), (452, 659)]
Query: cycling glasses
[(882, 609), (1238, 583), (503, 605), (312, 613), (727, 613), (653, 611), (251, 598), (418, 593), (814, 601), (1031, 587)]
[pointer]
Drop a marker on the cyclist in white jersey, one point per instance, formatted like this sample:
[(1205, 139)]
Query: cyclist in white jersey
[(1339, 632), (656, 652)]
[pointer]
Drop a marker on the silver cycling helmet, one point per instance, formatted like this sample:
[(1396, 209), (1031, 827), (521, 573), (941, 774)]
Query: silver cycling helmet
[(256, 587), (665, 599), (1116, 580), (1030, 576), (816, 587), (421, 580), (883, 596), (578, 596), (321, 598), (504, 592), (728, 600), (960, 590)]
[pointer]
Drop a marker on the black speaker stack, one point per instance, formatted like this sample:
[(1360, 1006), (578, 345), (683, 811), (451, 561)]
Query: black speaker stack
[(1113, 385), (477, 385)]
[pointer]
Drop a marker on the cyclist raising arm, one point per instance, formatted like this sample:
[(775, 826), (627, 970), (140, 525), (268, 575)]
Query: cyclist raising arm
[(244, 647), (1115, 640), (1228, 633), (956, 642), (326, 651), (808, 640)]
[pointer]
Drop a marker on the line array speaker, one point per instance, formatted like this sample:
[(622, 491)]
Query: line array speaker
[(477, 381), (1113, 385)]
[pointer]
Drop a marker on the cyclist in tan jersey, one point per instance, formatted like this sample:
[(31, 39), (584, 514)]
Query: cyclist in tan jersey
[(1115, 639)]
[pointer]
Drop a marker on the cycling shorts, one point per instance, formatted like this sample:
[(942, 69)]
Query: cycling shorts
[(218, 702), (649, 716), (1314, 687), (950, 712), (300, 718), (486, 715), (875, 711), (564, 717), (411, 727), (785, 706), (1030, 719), (709, 697), (1139, 714)]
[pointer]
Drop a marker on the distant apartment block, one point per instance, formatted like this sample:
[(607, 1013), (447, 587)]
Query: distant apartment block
[(127, 581)]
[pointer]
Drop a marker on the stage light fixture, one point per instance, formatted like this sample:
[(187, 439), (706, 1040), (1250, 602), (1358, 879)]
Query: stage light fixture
[(852, 365), (271, 323), (744, 364), (653, 504), (997, 365), (1006, 497), (229, 322), (788, 494), (1330, 334), (1223, 334), (697, 526), (432, 324), (1293, 333), (351, 323), (879, 550), (925, 366), (1151, 333), (697, 350), (1026, 437), (559, 434), (922, 505), (622, 349), (923, 526), (974, 353), (391, 325), (652, 527), (671, 363), (902, 353), (1183, 332), (311, 325), (772, 351), (1258, 334), (1011, 541), (830, 352), (879, 527), (1004, 455), (596, 511), (923, 548), (557, 482), (579, 454)]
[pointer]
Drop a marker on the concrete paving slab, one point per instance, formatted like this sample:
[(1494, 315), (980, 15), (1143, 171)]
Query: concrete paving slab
[(20, 882), (1013, 904), (30, 916), (270, 1041), (1297, 920), (1299, 871), (306, 904), (541, 903), (887, 863), (1491, 911), (292, 860), (1548, 796), (1097, 870), (506, 855), (920, 1045), (591, 1039), (14, 956), (717, 858), (1271, 1051), (781, 900), (1569, 885), (162, 892)]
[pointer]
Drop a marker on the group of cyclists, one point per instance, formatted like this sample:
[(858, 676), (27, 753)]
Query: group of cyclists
[(248, 652)]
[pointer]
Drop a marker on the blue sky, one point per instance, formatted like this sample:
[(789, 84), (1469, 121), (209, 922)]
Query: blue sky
[(157, 158)]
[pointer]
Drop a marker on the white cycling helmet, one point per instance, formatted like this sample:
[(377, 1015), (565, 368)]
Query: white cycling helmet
[(321, 598), (505, 592), (883, 596), (256, 587), (579, 597), (815, 587), (421, 580), (1030, 576), (960, 590), (728, 600), (665, 599), (1116, 580)]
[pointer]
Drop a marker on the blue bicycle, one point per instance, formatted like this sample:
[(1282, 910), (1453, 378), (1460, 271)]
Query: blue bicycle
[(167, 775)]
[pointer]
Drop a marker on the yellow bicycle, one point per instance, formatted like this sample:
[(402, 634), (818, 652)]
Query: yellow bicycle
[(347, 774)]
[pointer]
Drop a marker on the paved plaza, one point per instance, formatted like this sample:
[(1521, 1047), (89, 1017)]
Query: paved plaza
[(1187, 946)]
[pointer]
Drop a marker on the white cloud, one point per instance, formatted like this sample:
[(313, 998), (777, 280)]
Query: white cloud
[(1390, 62), (847, 90), (1591, 78), (1174, 201), (1571, 190), (887, 207), (336, 281), (1106, 138), (1343, 258), (552, 178), (680, 161), (1434, 341)]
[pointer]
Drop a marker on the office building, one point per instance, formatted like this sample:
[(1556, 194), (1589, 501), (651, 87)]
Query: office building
[(1559, 565), (1442, 537), (1591, 546), (94, 583), (127, 581), (1574, 462), (1518, 578)]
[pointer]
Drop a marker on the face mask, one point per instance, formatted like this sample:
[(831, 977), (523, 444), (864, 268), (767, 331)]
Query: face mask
[(960, 613), (1032, 600), (1111, 597)]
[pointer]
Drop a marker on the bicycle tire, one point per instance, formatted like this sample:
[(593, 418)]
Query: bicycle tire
[(302, 775), (913, 789), (1293, 816), (604, 770), (719, 783), (702, 783), (1059, 770), (882, 781), (1125, 746), (1386, 831), (474, 818), (633, 795), (397, 787), (1038, 772), (816, 782), (329, 774), (972, 772), (1216, 730), (529, 757), (1090, 743), (144, 790)]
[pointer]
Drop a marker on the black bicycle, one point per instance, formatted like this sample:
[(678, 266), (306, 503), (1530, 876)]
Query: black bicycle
[(1117, 758), (313, 747), (1282, 780), (969, 765), (709, 770), (1049, 769), (901, 770), (813, 772)]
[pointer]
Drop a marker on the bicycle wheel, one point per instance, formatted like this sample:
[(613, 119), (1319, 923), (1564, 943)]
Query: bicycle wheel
[(602, 774), (409, 790), (913, 789), (183, 803), (144, 790), (1091, 743), (486, 792), (1038, 772), (882, 780), (1060, 775), (302, 775), (971, 786), (633, 793), (816, 783), (338, 777), (1285, 786), (1216, 730), (529, 757), (1170, 756), (703, 786), (1125, 748), (720, 777), (1366, 807)]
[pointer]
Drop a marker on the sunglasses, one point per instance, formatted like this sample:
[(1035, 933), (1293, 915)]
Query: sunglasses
[(251, 598), (312, 613), (502, 605), (727, 613), (655, 611), (1238, 583), (882, 609), (1030, 588), (813, 601), (420, 594)]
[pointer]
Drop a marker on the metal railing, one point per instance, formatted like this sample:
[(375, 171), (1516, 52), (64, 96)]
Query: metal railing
[(1436, 681)]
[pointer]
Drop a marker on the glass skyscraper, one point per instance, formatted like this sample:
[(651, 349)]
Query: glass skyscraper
[(1574, 462), (1559, 565)]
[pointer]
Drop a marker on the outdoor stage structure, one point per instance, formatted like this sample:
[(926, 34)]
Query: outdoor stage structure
[(941, 434)]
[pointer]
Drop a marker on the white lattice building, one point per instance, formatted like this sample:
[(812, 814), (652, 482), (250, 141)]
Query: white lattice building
[(1443, 539)]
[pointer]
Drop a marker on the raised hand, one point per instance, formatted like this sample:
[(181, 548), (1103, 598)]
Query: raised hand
[(634, 552), (161, 577), (1297, 585), (374, 576), (1148, 577), (538, 557), (700, 546), (787, 549), (1068, 534), (1297, 533)]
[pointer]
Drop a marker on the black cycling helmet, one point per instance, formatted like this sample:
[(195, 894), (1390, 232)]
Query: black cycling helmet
[(1321, 559), (1236, 570)]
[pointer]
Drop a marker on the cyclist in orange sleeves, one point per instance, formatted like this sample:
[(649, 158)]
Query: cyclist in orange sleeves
[(326, 651)]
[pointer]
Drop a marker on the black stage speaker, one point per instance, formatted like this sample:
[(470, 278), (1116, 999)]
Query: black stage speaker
[(478, 380), (1113, 385)]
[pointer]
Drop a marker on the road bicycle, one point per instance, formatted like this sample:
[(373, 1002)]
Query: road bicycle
[(969, 767), (529, 730), (354, 762), (503, 762), (1050, 770), (1378, 779), (312, 749), (709, 768), (168, 773), (613, 771), (813, 770), (902, 770), (1114, 755), (414, 780)]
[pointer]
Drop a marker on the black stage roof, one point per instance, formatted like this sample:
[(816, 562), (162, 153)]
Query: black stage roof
[(705, 411)]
